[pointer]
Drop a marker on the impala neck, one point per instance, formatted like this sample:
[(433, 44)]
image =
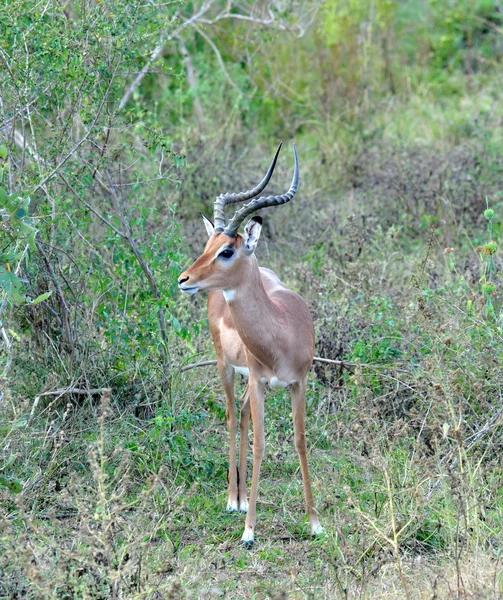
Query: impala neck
[(255, 316)]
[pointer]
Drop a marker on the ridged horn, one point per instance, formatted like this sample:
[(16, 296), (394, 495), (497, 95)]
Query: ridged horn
[(264, 202), (224, 199)]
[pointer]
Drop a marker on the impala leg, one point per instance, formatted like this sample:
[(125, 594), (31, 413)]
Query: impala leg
[(243, 449), (227, 376), (257, 414), (299, 417)]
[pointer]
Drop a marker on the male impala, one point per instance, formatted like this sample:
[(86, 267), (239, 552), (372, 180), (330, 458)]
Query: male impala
[(260, 329)]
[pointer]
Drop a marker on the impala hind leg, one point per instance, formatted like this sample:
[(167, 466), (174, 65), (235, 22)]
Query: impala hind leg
[(227, 376), (244, 425), (256, 389), (299, 417)]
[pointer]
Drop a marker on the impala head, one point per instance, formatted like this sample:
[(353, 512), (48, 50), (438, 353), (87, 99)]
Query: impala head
[(227, 252)]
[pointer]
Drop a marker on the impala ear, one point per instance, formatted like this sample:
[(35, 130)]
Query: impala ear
[(209, 225), (251, 234)]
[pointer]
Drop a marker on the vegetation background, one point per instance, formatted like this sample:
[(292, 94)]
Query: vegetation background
[(119, 122)]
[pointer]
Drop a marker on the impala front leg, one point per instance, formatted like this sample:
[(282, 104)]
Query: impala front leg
[(256, 389), (244, 425), (227, 376)]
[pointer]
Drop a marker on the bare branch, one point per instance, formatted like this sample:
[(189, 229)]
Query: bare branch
[(165, 38), (299, 25), (198, 17), (240, 17), (28, 105), (220, 60), (8, 345), (191, 78)]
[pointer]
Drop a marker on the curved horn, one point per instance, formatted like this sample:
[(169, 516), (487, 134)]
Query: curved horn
[(264, 202), (224, 199)]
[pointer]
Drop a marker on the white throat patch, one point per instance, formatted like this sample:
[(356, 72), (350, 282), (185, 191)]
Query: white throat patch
[(229, 295)]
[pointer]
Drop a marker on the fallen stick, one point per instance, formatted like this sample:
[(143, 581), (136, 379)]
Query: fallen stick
[(62, 392), (72, 390), (319, 359), (207, 363)]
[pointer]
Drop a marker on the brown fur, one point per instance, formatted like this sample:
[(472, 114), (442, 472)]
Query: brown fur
[(258, 323)]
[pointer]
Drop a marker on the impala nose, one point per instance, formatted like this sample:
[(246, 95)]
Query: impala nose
[(182, 280)]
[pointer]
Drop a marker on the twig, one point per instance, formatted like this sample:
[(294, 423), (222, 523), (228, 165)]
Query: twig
[(90, 207), (10, 120), (69, 515), (301, 27), (65, 313), (335, 362)]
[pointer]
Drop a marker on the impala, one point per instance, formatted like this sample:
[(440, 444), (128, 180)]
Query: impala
[(260, 329)]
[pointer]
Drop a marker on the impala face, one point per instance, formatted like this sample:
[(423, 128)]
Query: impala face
[(224, 260)]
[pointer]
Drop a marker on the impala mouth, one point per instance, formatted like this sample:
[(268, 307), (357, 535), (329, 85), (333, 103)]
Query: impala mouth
[(191, 289)]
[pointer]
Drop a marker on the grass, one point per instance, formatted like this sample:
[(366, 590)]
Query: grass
[(126, 499), (96, 513)]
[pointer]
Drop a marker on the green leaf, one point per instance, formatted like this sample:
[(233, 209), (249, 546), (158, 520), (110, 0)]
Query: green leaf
[(14, 335), (12, 284), (11, 484), (41, 298), (9, 462)]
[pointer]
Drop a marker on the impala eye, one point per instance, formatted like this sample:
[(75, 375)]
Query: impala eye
[(227, 253)]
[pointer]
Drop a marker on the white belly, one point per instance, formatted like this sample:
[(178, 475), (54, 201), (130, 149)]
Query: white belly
[(242, 370), (274, 382)]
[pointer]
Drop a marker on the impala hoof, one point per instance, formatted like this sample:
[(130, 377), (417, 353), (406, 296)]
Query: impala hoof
[(247, 539), (317, 530), (232, 506), (243, 506)]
